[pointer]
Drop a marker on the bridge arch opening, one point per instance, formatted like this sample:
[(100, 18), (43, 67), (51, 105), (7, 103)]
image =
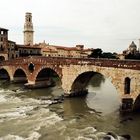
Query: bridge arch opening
[(4, 74), (127, 85), (47, 77), (81, 82), (136, 106), (20, 76), (2, 58), (102, 94)]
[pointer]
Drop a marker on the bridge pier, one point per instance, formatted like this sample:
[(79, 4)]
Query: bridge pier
[(30, 84), (127, 105), (11, 78), (67, 92)]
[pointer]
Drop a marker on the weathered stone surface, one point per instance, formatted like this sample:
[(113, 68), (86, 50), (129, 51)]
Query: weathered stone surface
[(68, 69)]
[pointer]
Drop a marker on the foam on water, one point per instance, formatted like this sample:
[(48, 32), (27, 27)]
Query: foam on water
[(88, 130), (32, 136), (11, 137), (3, 95), (83, 138), (90, 133), (12, 115), (2, 98), (7, 96), (6, 91), (47, 121), (2, 90), (39, 116), (15, 113)]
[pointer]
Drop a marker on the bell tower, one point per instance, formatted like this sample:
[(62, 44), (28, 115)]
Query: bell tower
[(28, 29)]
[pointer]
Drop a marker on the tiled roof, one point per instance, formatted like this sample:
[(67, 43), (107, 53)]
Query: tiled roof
[(29, 46), (45, 49), (89, 49), (66, 48), (53, 48)]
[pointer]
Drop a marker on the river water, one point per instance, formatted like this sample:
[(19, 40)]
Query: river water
[(27, 114)]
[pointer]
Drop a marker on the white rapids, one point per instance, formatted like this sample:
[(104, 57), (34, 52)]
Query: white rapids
[(30, 119)]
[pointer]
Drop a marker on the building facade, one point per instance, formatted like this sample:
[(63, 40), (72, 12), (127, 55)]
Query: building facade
[(61, 51), (10, 50), (3, 44), (28, 50), (132, 49)]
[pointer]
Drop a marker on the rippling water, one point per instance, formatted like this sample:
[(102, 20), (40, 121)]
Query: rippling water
[(25, 115)]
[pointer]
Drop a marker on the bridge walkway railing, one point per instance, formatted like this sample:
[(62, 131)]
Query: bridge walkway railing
[(115, 63)]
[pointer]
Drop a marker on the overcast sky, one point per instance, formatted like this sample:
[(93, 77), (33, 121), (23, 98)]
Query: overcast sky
[(107, 24)]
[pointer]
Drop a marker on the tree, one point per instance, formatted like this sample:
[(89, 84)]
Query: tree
[(109, 55), (96, 53)]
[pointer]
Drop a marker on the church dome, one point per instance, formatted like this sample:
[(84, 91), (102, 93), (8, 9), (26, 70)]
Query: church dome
[(133, 45)]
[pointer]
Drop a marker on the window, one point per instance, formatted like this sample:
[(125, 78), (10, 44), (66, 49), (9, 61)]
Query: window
[(12, 55), (2, 32), (31, 52), (127, 85), (1, 48)]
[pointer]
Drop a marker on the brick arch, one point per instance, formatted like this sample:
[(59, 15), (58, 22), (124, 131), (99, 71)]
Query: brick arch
[(8, 71), (46, 67), (2, 58), (105, 75), (20, 68), (74, 72), (82, 80), (136, 104)]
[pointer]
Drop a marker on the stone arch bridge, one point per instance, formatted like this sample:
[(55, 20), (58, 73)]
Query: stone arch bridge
[(124, 74)]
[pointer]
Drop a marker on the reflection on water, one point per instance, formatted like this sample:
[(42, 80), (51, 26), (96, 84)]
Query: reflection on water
[(23, 115), (102, 95)]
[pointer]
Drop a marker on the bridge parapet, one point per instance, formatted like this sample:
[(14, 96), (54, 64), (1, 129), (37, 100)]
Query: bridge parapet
[(124, 64)]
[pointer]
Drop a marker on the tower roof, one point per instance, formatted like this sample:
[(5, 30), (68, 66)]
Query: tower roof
[(28, 13)]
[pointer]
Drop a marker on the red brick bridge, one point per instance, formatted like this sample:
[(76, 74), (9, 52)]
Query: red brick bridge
[(75, 73)]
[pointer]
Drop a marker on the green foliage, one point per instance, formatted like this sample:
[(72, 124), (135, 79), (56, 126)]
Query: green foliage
[(108, 55), (98, 53)]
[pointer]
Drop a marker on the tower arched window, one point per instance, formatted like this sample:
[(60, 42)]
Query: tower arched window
[(127, 85), (12, 55)]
